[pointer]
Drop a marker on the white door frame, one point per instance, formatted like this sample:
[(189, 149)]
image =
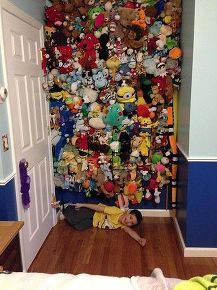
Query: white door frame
[(12, 9)]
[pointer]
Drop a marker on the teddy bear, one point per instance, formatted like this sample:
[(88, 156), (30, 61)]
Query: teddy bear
[(127, 15), (156, 96), (58, 5), (134, 37), (169, 88), (165, 31)]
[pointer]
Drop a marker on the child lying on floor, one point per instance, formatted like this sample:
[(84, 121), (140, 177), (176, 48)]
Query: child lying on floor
[(85, 215)]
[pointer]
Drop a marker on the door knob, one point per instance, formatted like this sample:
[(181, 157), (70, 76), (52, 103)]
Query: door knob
[(3, 94)]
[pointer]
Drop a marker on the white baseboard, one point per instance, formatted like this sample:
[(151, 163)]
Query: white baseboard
[(149, 212), (194, 251), (156, 212)]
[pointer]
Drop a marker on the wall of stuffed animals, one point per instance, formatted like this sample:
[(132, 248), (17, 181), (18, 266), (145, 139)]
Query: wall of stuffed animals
[(112, 78)]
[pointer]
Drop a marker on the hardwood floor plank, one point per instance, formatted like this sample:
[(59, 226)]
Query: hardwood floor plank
[(114, 253)]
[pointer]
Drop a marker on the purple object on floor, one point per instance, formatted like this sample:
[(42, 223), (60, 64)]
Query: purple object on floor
[(25, 183)]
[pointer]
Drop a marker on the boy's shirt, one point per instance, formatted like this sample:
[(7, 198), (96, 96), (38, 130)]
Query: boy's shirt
[(109, 218)]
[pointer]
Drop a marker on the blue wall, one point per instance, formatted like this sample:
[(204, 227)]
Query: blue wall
[(202, 202), (197, 201), (197, 168), (8, 202)]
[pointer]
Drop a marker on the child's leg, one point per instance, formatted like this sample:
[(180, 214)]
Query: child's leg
[(81, 218), (84, 224)]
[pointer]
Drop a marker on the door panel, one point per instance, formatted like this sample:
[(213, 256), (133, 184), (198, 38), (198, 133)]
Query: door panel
[(28, 108)]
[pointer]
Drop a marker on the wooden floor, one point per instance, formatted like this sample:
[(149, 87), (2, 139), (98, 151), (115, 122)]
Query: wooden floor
[(114, 253)]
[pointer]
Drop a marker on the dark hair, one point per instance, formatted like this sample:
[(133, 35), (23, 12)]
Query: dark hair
[(137, 214)]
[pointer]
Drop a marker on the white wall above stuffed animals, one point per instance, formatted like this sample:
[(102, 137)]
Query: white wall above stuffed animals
[(197, 135), (184, 101), (35, 8), (203, 133)]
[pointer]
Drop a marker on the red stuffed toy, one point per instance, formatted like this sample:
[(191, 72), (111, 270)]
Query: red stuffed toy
[(88, 45), (65, 52), (53, 16)]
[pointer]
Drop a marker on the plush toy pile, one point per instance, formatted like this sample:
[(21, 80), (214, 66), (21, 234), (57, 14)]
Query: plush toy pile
[(112, 68)]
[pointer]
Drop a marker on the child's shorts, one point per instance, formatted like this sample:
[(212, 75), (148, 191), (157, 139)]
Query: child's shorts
[(80, 218)]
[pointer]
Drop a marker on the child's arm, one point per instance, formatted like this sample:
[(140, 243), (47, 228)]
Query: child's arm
[(96, 207), (135, 236)]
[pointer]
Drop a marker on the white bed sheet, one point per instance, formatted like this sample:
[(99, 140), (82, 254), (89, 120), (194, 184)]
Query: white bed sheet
[(61, 281)]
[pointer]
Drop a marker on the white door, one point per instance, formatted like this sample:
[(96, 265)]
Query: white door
[(28, 109)]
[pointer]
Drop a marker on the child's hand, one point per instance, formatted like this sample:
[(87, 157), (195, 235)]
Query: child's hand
[(142, 242)]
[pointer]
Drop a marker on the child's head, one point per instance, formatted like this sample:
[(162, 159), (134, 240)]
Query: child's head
[(133, 218), (137, 214)]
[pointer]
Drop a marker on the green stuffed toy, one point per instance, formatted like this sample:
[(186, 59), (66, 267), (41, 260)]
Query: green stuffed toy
[(114, 116), (207, 282)]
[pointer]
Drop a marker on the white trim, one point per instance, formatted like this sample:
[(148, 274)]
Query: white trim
[(196, 158), (202, 159), (3, 182), (148, 212), (200, 252), (156, 212), (193, 251)]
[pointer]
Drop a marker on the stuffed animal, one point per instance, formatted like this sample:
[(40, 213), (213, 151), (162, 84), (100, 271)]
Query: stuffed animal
[(96, 17), (127, 15), (145, 144), (135, 145), (100, 80), (88, 95), (156, 96), (112, 69), (88, 45), (103, 48), (54, 16), (125, 149), (134, 37), (113, 64), (126, 97), (114, 116)]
